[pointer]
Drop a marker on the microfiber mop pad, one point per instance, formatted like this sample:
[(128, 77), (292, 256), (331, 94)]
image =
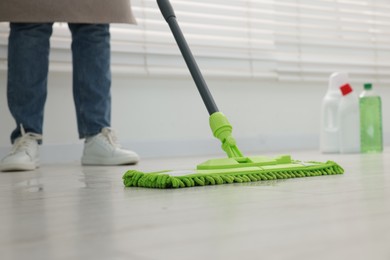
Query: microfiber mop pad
[(208, 173)]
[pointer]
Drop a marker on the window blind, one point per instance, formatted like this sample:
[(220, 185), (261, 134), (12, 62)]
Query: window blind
[(3, 45), (317, 37), (228, 38), (285, 40)]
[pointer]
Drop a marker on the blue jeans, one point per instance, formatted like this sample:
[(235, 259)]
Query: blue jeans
[(28, 63)]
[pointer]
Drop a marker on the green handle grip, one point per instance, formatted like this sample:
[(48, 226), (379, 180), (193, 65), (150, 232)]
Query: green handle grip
[(222, 130)]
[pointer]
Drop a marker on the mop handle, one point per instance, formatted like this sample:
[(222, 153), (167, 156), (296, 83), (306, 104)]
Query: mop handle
[(169, 15)]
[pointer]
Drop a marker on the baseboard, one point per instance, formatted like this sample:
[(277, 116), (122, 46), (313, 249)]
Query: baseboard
[(63, 153)]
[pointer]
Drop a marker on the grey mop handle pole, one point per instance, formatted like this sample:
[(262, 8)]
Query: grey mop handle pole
[(169, 15)]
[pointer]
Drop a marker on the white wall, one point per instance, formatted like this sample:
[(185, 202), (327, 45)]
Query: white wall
[(166, 117)]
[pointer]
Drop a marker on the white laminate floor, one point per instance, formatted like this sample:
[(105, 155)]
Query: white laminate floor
[(71, 212)]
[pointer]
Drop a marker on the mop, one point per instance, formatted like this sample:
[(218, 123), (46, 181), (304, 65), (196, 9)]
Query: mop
[(237, 168)]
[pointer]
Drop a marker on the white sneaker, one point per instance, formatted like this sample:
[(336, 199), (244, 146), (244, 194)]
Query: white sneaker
[(24, 155), (102, 149)]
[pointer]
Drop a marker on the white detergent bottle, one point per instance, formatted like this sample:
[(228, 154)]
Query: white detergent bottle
[(349, 120), (329, 142)]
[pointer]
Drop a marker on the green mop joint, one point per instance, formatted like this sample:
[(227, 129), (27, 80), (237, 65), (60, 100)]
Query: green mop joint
[(222, 130), (234, 169)]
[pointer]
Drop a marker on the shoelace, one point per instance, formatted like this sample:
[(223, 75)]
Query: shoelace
[(109, 134), (23, 142)]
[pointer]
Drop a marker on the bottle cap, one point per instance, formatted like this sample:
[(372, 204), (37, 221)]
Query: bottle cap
[(346, 89), (336, 80), (367, 86)]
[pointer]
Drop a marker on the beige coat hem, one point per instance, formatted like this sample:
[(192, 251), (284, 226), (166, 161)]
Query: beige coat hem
[(72, 11)]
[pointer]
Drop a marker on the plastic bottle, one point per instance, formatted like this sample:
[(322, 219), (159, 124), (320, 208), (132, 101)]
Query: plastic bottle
[(370, 120), (349, 120), (329, 114)]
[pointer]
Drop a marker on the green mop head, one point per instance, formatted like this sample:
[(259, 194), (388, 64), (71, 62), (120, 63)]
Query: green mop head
[(235, 169), (264, 169)]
